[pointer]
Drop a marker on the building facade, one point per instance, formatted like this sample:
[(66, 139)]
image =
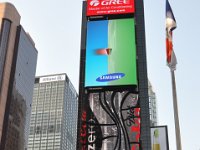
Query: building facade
[(54, 114), (152, 105), (18, 57)]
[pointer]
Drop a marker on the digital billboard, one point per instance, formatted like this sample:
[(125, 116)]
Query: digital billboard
[(107, 7), (110, 53), (159, 138), (111, 121)]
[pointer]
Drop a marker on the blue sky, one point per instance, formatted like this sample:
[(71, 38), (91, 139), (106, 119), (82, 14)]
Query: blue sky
[(55, 26)]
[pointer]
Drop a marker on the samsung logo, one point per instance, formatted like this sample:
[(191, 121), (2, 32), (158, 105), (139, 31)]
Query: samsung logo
[(110, 77)]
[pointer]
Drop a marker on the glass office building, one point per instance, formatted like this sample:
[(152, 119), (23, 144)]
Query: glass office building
[(17, 72), (54, 114)]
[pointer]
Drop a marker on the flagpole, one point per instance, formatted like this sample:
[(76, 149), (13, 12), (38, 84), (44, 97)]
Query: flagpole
[(176, 118)]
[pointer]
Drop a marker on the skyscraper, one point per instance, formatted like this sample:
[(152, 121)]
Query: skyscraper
[(152, 105), (18, 57), (54, 114)]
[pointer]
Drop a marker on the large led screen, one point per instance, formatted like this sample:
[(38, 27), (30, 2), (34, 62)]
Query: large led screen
[(110, 53)]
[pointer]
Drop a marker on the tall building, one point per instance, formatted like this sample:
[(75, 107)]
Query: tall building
[(152, 105), (18, 57), (113, 93), (54, 114)]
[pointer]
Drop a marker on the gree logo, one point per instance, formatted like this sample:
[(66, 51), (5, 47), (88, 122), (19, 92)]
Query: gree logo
[(108, 2), (94, 3)]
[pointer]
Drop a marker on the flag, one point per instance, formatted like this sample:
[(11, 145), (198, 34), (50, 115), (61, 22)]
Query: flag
[(170, 26)]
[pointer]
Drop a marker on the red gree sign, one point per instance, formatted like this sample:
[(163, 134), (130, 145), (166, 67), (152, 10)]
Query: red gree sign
[(106, 7)]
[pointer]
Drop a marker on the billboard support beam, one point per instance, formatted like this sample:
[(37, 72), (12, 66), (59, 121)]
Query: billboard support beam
[(176, 118), (142, 74)]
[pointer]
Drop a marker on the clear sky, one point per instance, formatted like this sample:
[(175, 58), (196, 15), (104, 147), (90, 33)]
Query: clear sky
[(55, 26)]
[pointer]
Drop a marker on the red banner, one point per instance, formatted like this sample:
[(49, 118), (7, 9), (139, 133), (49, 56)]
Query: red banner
[(107, 7)]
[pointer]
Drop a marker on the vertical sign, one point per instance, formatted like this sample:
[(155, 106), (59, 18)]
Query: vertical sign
[(110, 118)]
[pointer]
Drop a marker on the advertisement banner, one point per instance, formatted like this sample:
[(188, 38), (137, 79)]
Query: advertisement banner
[(107, 7), (111, 121), (159, 138), (110, 53)]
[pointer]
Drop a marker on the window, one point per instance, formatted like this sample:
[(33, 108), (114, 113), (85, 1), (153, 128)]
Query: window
[(38, 130), (51, 129)]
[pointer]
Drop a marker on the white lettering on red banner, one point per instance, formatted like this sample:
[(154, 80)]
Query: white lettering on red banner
[(106, 7)]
